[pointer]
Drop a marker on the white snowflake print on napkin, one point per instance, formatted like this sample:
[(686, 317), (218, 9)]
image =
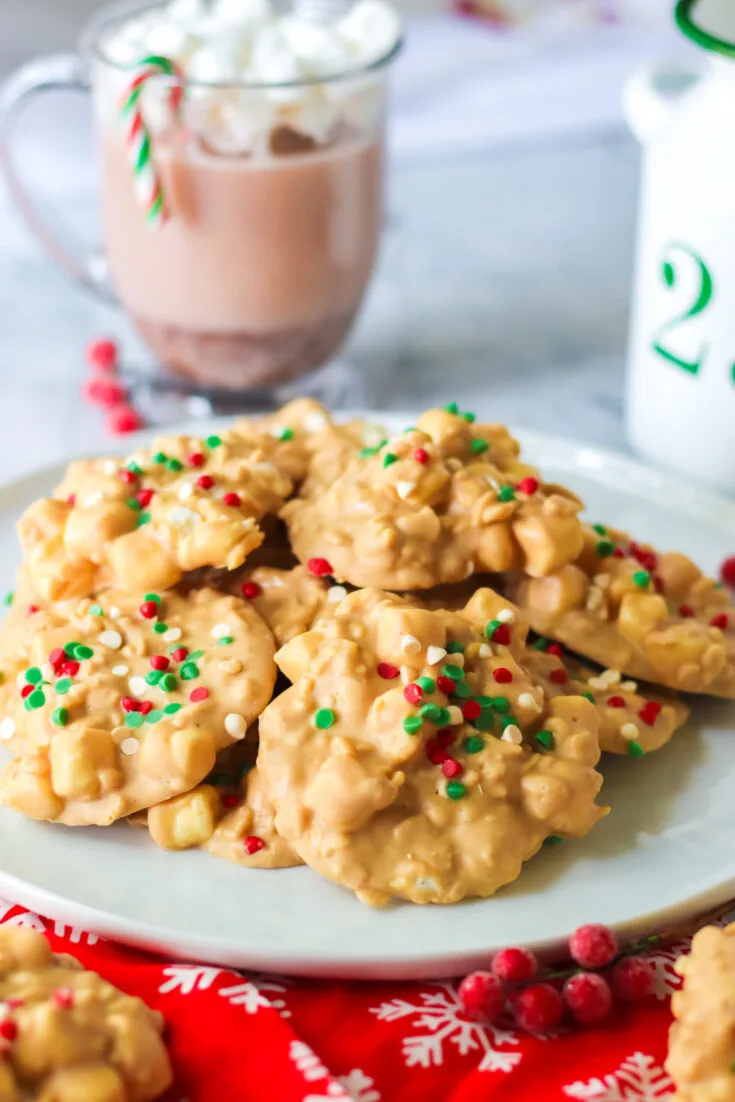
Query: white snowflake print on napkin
[(638, 1079), (437, 1018), (253, 993), (356, 1086)]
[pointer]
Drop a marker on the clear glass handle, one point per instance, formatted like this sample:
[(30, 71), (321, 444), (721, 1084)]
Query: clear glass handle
[(47, 74)]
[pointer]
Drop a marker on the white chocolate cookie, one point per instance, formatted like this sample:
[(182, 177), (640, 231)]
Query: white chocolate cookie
[(124, 702), (144, 522), (400, 764), (652, 616), (442, 501), (68, 1035), (701, 1058)]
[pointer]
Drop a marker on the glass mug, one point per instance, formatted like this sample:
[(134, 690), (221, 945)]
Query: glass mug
[(258, 271)]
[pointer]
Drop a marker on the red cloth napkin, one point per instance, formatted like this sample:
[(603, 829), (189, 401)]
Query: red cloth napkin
[(270, 1039)]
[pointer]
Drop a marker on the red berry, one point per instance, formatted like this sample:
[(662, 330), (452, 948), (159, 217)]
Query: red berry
[(205, 482), (386, 670), (721, 621), (64, 997), (180, 654), (102, 354), (435, 751), (197, 459), (320, 568), (445, 685), (129, 477), (232, 498), (515, 965), (8, 1029), (148, 610), (198, 694), (160, 662), (251, 590), (421, 456), (481, 996), (144, 497), (124, 419), (555, 649), (471, 710), (538, 1008), (727, 571), (413, 693), (502, 676), (452, 768), (633, 979), (616, 702), (593, 946), (103, 392), (528, 486), (253, 844), (501, 635), (588, 997), (559, 677), (650, 712), (686, 611)]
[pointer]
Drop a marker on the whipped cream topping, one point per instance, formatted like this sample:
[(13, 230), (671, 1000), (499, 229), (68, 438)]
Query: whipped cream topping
[(280, 68)]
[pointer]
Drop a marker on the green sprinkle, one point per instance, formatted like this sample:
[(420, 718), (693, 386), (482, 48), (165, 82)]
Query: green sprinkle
[(367, 453), (541, 644), (462, 690), (412, 724), (133, 719), (174, 464), (456, 790), (324, 718), (81, 652), (600, 529), (500, 704), (153, 677), (34, 675), (224, 641), (506, 493), (171, 709), (213, 441), (60, 717), (70, 648), (605, 548), (484, 701), (35, 700), (8, 598), (635, 750), (553, 840), (160, 457), (452, 407), (134, 504), (546, 739), (485, 721), (479, 447), (455, 648), (410, 428), (168, 683), (195, 654), (160, 628), (455, 672), (641, 578), (189, 671), (443, 718), (508, 721), (286, 434), (589, 696), (154, 716), (152, 597), (470, 418), (492, 627), (62, 687), (144, 518), (473, 744), (431, 712), (389, 458), (96, 610), (133, 466), (427, 684)]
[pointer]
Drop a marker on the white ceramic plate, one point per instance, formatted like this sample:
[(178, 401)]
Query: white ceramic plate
[(666, 851)]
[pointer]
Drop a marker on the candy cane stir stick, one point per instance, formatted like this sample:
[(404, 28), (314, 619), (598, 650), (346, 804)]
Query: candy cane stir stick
[(148, 188)]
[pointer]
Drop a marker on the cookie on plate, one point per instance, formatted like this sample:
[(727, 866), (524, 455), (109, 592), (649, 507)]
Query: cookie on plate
[(123, 702), (701, 1058), (68, 1034), (413, 756), (444, 500), (652, 616), (290, 601), (144, 522)]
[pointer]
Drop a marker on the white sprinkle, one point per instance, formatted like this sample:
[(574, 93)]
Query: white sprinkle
[(130, 746), (180, 516), (235, 725), (94, 497), (435, 654), (121, 671), (315, 422), (110, 467), (48, 671), (629, 731), (185, 491), (485, 651), (137, 685), (512, 734), (372, 435), (406, 675), (20, 680), (114, 612), (277, 431), (597, 683), (172, 635), (526, 700), (403, 489), (506, 616), (455, 715), (111, 639), (220, 630), (410, 644), (7, 728), (610, 677), (336, 593), (218, 492), (629, 686)]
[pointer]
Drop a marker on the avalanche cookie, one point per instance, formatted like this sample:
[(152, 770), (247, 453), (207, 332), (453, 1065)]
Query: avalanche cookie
[(414, 757), (124, 702), (69, 1036), (701, 1057), (652, 616), (442, 501), (144, 522), (290, 601)]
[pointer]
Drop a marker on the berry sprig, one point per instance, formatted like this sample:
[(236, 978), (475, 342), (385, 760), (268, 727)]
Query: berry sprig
[(103, 388), (539, 999)]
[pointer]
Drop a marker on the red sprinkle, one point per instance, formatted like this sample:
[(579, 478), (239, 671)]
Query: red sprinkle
[(232, 498), (144, 497), (251, 590), (128, 477), (445, 685), (128, 704), (230, 800), (68, 669), (124, 419), (64, 997), (618, 553), (471, 710), (421, 456), (58, 654), (148, 610), (320, 568), (102, 354), (253, 844), (205, 482), (103, 392), (26, 691), (502, 676), (686, 611), (198, 694), (452, 768), (159, 662), (501, 635), (180, 654), (528, 486), (144, 707), (8, 1029), (387, 671), (658, 583), (445, 737), (435, 751), (650, 712), (559, 677), (727, 571), (616, 702), (32, 610), (721, 620), (72, 499), (413, 693), (555, 649), (197, 459)]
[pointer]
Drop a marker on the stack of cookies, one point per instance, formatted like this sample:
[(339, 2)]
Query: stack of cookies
[(302, 642)]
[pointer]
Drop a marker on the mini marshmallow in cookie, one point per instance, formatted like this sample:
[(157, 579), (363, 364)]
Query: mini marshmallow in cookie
[(123, 702), (444, 500), (652, 616), (414, 757), (69, 1035), (143, 523)]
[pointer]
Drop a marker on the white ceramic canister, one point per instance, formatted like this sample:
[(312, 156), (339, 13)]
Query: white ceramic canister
[(681, 372)]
